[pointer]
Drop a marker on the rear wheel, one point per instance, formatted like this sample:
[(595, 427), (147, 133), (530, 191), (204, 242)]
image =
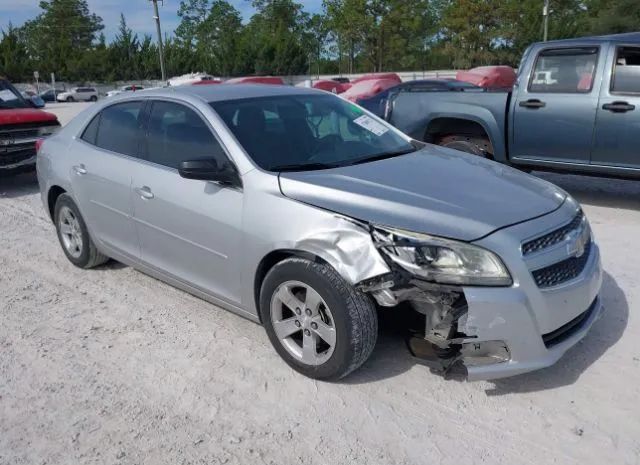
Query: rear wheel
[(93, 98), (318, 323), (464, 144), (73, 235)]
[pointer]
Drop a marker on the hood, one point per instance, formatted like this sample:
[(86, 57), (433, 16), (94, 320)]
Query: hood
[(433, 191), (25, 115)]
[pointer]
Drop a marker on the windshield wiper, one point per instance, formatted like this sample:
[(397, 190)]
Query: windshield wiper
[(382, 156), (304, 167)]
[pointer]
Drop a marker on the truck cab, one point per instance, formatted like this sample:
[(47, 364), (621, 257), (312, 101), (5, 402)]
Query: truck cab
[(575, 107), (577, 104), (21, 126)]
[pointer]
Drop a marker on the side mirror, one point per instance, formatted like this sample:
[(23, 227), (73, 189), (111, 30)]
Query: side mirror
[(36, 102), (209, 170)]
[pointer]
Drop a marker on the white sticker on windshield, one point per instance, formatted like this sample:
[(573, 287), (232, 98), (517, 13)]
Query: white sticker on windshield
[(7, 95), (371, 125)]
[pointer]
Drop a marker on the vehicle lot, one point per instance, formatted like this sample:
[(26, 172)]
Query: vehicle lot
[(111, 366)]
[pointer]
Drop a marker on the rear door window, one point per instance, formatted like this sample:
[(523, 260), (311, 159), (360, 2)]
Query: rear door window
[(626, 71), (119, 128), (177, 133), (564, 70)]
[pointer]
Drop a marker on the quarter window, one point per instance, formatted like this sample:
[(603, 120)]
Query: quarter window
[(119, 128), (177, 133), (626, 72), (91, 132), (565, 70)]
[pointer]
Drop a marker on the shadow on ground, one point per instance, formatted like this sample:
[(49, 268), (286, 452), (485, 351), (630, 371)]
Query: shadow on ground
[(600, 192), (391, 358), (18, 185)]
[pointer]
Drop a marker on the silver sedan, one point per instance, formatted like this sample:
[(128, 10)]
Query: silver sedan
[(305, 213)]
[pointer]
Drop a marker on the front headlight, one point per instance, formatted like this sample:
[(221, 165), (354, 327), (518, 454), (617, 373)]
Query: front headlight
[(441, 260), (47, 130)]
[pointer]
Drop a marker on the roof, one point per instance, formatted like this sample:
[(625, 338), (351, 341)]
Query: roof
[(629, 37), (232, 92)]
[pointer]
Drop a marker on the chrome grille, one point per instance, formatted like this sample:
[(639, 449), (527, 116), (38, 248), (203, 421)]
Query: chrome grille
[(552, 238), (563, 271)]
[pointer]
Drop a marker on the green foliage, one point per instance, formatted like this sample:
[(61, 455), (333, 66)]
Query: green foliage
[(281, 38)]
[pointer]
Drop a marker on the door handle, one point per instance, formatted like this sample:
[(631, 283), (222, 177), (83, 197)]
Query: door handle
[(533, 103), (618, 107), (144, 192), (80, 169)]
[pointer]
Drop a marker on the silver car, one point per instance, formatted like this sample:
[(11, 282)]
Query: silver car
[(303, 212)]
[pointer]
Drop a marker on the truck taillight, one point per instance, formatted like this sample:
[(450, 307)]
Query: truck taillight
[(39, 143)]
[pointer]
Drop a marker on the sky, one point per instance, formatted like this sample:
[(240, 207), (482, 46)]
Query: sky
[(139, 17)]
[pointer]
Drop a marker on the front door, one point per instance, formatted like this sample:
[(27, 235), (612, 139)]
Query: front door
[(618, 120), (188, 229), (554, 113), (104, 158)]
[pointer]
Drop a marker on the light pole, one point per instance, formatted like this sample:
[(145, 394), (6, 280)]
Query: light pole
[(160, 47), (545, 18)]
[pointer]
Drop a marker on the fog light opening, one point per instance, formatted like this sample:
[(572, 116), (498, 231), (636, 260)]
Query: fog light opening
[(485, 353)]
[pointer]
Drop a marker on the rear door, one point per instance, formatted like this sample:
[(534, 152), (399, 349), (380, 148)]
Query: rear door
[(618, 120), (105, 156), (188, 229), (554, 113)]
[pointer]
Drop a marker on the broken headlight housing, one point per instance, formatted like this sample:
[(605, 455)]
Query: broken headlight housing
[(440, 260)]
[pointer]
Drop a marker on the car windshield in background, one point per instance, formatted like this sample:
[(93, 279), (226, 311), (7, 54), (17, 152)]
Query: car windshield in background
[(307, 132), (10, 97)]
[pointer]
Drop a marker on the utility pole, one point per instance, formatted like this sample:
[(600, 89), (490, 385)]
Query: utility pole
[(545, 18), (160, 47)]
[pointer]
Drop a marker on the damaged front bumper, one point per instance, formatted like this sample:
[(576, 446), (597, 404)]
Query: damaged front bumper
[(497, 332)]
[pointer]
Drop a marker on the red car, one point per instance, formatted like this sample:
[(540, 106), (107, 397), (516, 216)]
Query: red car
[(21, 128), (490, 77), (330, 86), (377, 77), (272, 80), (368, 88)]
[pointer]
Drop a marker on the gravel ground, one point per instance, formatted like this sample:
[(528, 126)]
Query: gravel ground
[(111, 366)]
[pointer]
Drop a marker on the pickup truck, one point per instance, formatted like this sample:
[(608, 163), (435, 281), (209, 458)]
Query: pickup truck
[(21, 127), (575, 107)]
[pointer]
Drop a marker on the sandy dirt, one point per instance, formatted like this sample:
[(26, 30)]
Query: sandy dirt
[(111, 366)]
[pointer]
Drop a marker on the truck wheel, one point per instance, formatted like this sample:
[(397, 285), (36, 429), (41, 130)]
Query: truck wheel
[(74, 237), (456, 143), (317, 322)]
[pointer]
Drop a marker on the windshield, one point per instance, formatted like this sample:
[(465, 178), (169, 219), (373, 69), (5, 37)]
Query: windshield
[(304, 132), (10, 97)]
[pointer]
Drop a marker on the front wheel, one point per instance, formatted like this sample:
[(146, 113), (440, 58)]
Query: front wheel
[(74, 237), (69, 99), (317, 322)]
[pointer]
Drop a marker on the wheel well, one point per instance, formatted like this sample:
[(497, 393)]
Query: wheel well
[(271, 260), (52, 197), (441, 128)]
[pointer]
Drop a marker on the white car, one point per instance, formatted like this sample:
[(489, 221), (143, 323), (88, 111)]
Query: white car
[(131, 88), (79, 94)]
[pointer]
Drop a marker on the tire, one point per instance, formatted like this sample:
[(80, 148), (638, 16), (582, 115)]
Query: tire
[(70, 227), (70, 99), (350, 313), (93, 98), (453, 142)]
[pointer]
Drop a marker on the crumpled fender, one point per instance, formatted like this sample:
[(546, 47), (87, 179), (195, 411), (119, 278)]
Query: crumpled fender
[(347, 247)]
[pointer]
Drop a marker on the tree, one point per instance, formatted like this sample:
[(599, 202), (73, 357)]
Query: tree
[(192, 14), (613, 16), (123, 52), (219, 38), (60, 34), (14, 60)]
